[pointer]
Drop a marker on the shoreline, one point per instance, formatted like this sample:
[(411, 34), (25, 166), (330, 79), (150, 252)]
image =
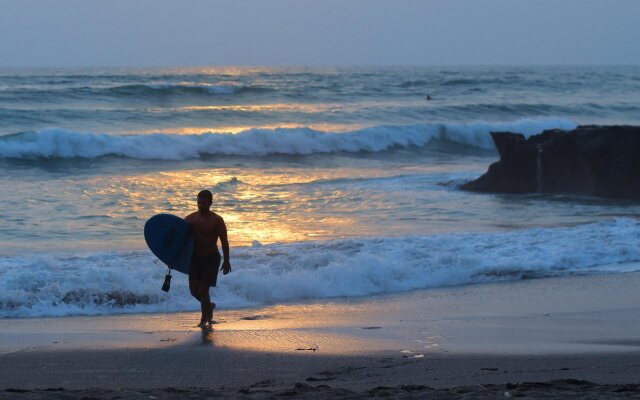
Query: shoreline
[(583, 327)]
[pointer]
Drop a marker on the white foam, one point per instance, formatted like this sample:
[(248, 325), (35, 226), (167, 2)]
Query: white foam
[(58, 143), (117, 282)]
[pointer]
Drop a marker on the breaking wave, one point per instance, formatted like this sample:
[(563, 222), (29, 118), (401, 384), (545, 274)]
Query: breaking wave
[(59, 143), (121, 282)]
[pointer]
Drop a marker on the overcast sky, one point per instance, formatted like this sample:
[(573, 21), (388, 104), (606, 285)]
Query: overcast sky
[(320, 32)]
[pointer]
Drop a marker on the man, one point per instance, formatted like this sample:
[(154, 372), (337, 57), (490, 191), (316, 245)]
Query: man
[(207, 227)]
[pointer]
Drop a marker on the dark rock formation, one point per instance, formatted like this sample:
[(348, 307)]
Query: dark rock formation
[(591, 160)]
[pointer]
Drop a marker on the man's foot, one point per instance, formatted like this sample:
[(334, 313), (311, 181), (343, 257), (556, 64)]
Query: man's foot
[(206, 326)]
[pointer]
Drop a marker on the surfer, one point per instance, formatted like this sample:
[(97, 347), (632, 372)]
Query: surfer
[(207, 227)]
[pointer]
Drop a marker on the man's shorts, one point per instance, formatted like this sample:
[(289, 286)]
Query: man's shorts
[(205, 269)]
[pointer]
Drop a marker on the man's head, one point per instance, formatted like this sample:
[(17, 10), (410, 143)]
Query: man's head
[(205, 198)]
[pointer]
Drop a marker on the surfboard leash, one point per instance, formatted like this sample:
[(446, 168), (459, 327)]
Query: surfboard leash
[(167, 282)]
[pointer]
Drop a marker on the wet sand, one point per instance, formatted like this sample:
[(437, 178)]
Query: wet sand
[(550, 331)]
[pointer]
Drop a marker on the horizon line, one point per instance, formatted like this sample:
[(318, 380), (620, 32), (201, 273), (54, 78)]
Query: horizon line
[(274, 66)]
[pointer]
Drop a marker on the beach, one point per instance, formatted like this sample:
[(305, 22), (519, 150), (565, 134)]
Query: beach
[(556, 330)]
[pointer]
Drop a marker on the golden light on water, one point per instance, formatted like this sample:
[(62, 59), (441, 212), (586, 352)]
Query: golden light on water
[(221, 71), (264, 206), (229, 71), (235, 129), (259, 202), (270, 107), (291, 107)]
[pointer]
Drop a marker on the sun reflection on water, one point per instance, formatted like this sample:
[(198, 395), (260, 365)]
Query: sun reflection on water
[(263, 206), (235, 129)]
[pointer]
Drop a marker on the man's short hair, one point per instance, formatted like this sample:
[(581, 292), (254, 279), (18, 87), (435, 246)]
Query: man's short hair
[(205, 194)]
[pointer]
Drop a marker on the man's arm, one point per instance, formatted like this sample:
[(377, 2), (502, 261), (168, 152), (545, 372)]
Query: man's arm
[(224, 241)]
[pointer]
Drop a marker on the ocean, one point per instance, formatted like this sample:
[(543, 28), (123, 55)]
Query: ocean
[(333, 182)]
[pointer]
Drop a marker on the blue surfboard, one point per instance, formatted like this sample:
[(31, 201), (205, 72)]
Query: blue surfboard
[(170, 239)]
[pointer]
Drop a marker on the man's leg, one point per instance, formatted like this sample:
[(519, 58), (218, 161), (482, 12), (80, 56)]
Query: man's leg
[(205, 302), (193, 287), (209, 278)]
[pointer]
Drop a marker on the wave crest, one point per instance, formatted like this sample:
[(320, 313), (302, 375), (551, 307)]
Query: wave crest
[(59, 143), (153, 89)]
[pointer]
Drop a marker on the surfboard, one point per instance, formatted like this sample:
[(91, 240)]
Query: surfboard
[(170, 239)]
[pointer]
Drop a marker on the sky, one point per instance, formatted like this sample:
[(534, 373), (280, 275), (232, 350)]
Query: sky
[(76, 33)]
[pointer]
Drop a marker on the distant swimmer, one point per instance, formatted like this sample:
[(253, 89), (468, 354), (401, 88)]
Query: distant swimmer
[(207, 227), (428, 98)]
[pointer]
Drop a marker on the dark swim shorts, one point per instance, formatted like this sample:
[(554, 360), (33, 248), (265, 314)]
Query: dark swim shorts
[(205, 269)]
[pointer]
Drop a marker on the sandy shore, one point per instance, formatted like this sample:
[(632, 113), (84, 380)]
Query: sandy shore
[(481, 340)]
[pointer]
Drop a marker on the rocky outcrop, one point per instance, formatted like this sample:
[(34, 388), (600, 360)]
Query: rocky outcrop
[(591, 160)]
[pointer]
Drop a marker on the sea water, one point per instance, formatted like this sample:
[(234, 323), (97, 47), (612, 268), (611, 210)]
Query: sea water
[(333, 182)]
